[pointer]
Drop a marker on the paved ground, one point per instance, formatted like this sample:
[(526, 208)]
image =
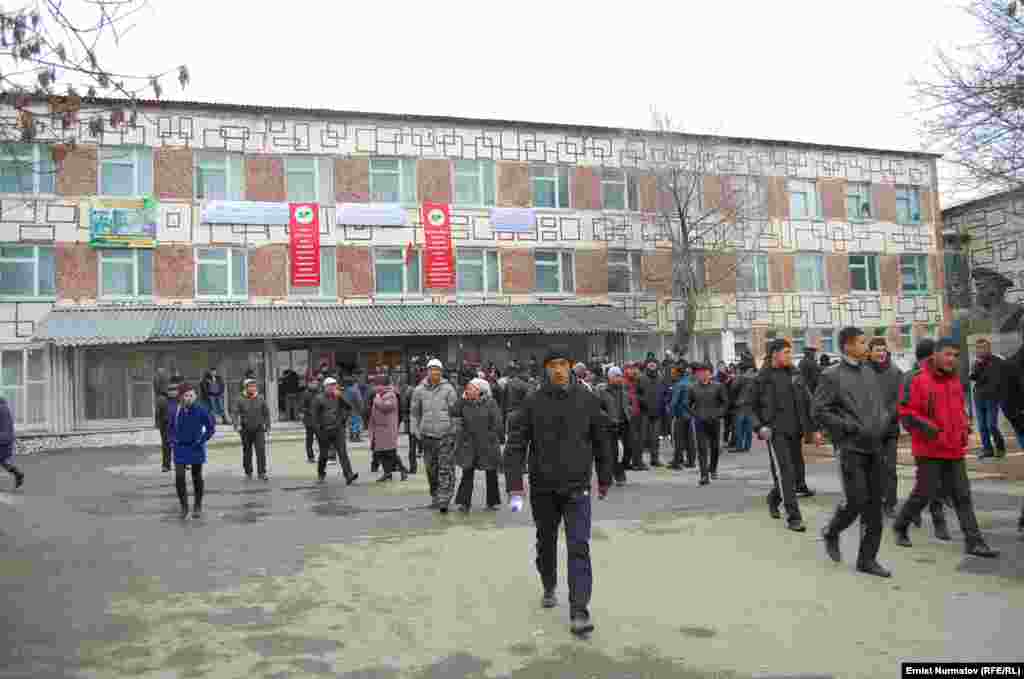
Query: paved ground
[(288, 579)]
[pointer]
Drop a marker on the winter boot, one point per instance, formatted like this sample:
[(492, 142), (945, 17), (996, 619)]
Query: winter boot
[(941, 530)]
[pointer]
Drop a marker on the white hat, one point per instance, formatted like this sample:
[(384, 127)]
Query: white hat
[(434, 363), (329, 381), (483, 385), (614, 371)]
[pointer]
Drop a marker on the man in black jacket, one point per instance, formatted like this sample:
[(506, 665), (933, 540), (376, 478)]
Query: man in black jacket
[(989, 375), (166, 407), (850, 403), (650, 418), (810, 369), (614, 399), (889, 378), (252, 422), (306, 400), (331, 411), (563, 429), (781, 409), (707, 402)]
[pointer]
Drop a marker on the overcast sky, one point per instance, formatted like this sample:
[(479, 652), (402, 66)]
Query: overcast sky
[(826, 71)]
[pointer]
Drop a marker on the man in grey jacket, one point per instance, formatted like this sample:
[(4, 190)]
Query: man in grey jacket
[(432, 423), (252, 422)]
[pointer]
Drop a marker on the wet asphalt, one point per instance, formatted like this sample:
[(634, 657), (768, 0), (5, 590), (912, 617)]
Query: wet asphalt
[(92, 527)]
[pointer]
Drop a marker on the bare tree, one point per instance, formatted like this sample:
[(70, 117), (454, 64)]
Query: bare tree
[(712, 211), (54, 73), (974, 104)]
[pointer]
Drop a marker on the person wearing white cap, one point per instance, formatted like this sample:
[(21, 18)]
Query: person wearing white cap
[(331, 411), (481, 433), (432, 423)]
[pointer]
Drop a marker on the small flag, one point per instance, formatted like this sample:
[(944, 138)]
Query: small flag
[(410, 252)]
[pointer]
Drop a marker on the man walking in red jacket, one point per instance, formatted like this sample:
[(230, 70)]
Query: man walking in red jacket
[(933, 410)]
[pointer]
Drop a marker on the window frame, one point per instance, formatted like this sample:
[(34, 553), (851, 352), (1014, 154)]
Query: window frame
[(868, 269), (818, 212), (135, 163), (561, 173), (20, 410), (104, 253), (406, 292), (821, 273), (828, 335), (403, 190), (634, 265), (913, 199), (36, 167), (921, 268), (483, 168), (485, 265), (758, 260), (35, 295), (906, 338), (865, 199), (319, 295), (228, 264), (560, 256), (316, 177), (203, 158), (630, 192)]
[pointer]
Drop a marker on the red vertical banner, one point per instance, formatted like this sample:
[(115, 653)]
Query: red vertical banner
[(437, 236), (304, 244)]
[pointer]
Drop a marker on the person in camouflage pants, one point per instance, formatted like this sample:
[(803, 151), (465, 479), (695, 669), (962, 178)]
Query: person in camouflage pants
[(432, 423)]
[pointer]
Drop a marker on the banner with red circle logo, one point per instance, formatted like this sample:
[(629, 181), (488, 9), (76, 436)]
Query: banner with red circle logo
[(304, 244), (437, 236)]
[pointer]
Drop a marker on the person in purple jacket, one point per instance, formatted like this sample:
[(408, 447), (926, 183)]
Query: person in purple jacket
[(190, 429), (7, 443)]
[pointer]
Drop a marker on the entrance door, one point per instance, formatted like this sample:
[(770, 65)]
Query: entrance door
[(376, 359)]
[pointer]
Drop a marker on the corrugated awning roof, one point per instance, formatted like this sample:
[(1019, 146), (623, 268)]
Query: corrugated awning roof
[(77, 326)]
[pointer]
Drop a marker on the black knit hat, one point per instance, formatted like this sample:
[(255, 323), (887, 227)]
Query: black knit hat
[(557, 351), (777, 345)]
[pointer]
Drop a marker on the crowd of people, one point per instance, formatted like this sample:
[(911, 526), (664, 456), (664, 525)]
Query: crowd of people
[(560, 420)]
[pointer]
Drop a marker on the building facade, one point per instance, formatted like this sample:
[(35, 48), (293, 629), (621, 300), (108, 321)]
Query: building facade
[(849, 236)]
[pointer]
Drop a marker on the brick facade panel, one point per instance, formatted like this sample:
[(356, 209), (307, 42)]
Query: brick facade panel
[(889, 271), (77, 271), (352, 180), (268, 271), (434, 181), (657, 273), (833, 198), (778, 199), (514, 185), (174, 272), (264, 179), (781, 272), (936, 273), (355, 271), (837, 272), (586, 189), (647, 192), (172, 172), (592, 272), (77, 173), (884, 198), (720, 272), (519, 271)]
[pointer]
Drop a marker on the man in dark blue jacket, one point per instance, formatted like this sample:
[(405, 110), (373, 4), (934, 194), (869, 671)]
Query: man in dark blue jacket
[(7, 443), (682, 429)]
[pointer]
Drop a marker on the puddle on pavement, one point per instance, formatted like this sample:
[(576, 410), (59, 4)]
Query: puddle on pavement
[(285, 645), (699, 632), (332, 508)]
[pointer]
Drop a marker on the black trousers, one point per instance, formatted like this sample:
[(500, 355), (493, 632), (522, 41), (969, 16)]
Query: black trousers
[(785, 449), (333, 439), (165, 448), (414, 447), (549, 510), (933, 477), (250, 440), (799, 466), (708, 445), (863, 479), (389, 460), (621, 434), (197, 484), (464, 496), (310, 437), (889, 453), (682, 440)]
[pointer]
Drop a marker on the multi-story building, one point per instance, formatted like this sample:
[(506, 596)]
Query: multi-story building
[(554, 227)]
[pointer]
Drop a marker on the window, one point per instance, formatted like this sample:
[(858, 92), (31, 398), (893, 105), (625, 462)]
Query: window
[(804, 201), (799, 342), (907, 337), (126, 171), (23, 383), (474, 182), (624, 271), (828, 341), (550, 185), (555, 273), (908, 205), (394, 274), (477, 271), (126, 273), (328, 287), (619, 190), (810, 273), (222, 272), (27, 271), (219, 176), (119, 385), (858, 201), (27, 168), (393, 180), (301, 179), (914, 273), (864, 273), (752, 273)]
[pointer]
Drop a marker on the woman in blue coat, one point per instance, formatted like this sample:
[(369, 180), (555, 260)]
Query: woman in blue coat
[(7, 443), (189, 431)]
